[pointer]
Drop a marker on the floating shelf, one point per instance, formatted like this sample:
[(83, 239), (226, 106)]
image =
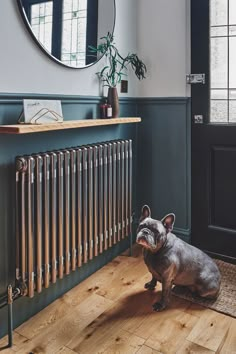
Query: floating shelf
[(70, 124)]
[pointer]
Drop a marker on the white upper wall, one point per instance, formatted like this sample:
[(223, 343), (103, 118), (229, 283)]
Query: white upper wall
[(163, 30), (157, 30), (24, 68), (105, 20)]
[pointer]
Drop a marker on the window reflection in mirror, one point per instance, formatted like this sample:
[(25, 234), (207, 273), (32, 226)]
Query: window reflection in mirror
[(66, 28), (40, 18)]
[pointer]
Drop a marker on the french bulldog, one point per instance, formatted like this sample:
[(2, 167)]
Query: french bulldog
[(173, 261)]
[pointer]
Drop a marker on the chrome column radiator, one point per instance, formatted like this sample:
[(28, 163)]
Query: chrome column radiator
[(71, 205)]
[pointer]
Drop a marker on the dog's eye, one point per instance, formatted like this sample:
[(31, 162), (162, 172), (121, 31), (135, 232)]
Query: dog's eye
[(143, 226), (153, 229), (148, 227)]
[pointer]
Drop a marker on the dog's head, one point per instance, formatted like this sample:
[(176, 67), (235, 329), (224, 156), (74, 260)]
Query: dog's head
[(152, 233)]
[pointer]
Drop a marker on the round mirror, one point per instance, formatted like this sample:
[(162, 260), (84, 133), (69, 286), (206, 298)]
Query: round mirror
[(65, 29)]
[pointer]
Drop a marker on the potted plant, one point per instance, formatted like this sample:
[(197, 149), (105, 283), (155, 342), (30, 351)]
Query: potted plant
[(114, 70)]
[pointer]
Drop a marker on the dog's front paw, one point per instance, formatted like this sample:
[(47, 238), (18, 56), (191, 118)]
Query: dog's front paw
[(158, 306), (150, 285)]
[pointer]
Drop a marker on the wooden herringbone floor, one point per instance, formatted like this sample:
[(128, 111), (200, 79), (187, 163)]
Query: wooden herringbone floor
[(110, 312)]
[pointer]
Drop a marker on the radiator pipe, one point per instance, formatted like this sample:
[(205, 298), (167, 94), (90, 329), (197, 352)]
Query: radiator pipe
[(10, 316), (16, 292), (7, 300)]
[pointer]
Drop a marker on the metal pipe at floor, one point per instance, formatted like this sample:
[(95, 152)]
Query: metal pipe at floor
[(10, 316), (7, 300)]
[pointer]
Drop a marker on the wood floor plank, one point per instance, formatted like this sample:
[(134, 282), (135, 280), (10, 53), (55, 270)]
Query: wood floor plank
[(169, 334), (192, 348), (18, 341), (65, 350), (51, 339), (152, 319), (210, 330), (60, 308), (7, 351), (123, 342), (124, 280), (139, 303), (147, 350), (195, 309), (229, 345), (99, 333), (45, 318), (127, 312)]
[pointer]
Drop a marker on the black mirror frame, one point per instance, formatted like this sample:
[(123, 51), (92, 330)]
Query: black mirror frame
[(28, 26)]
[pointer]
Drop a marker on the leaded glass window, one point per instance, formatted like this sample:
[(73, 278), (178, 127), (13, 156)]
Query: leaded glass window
[(74, 32), (41, 22), (223, 61)]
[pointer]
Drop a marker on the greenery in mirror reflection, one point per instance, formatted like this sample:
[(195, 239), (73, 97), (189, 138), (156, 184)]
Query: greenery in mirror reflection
[(114, 70)]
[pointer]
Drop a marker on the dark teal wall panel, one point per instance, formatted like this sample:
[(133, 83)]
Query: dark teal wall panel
[(13, 145), (164, 159), (161, 173)]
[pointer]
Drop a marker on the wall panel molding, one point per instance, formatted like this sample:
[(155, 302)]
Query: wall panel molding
[(18, 97), (164, 159)]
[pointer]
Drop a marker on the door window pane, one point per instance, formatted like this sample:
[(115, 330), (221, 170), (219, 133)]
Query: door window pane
[(232, 30), (222, 61), (218, 12), (232, 94), (219, 111), (232, 62), (232, 111), (219, 31), (219, 62), (232, 12), (219, 94)]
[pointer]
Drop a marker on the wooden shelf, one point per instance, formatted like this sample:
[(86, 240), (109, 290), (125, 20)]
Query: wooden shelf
[(70, 124)]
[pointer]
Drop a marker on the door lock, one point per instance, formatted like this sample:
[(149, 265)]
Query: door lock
[(198, 119)]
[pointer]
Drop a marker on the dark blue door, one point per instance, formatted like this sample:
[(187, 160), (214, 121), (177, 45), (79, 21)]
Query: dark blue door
[(213, 52)]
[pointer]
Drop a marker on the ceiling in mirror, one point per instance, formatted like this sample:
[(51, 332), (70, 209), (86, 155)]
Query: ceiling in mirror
[(65, 29)]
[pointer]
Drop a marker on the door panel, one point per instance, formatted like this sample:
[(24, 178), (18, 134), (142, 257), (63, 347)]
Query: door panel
[(223, 187), (213, 141)]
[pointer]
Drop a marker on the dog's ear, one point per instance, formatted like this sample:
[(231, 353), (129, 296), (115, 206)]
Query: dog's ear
[(168, 221), (145, 213)]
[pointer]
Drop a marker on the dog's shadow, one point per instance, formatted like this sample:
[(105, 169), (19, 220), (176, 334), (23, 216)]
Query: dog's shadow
[(136, 306)]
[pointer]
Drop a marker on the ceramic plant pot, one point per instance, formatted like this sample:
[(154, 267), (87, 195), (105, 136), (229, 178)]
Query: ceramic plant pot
[(113, 100)]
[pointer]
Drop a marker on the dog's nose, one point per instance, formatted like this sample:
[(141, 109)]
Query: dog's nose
[(141, 240)]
